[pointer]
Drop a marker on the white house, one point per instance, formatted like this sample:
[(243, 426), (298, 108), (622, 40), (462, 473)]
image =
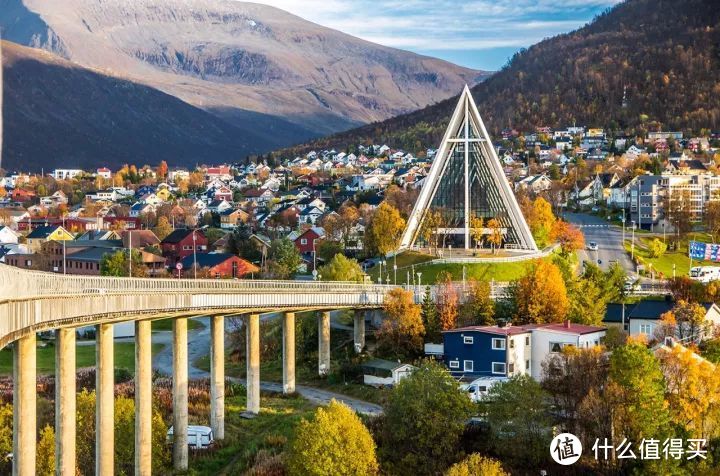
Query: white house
[(551, 338), (7, 236)]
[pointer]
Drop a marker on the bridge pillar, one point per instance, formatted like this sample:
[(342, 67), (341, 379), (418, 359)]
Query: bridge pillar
[(65, 401), (324, 343), (143, 398), (180, 394), (104, 400), (359, 330), (252, 323), (217, 376), (24, 409), (288, 328)]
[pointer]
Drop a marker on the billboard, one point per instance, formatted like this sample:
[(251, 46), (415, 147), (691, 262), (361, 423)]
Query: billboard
[(704, 251)]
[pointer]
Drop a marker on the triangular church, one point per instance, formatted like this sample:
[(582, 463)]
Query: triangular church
[(466, 180)]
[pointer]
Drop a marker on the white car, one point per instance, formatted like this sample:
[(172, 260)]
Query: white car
[(592, 246)]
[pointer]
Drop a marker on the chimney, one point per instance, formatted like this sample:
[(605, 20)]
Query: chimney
[(566, 324)]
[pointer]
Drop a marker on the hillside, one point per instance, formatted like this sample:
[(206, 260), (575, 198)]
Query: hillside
[(57, 114), (664, 54), (238, 60)]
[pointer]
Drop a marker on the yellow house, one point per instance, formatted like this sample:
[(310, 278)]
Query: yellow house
[(164, 194), (43, 234)]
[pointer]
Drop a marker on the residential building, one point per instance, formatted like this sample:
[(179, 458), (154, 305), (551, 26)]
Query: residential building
[(43, 234), (549, 339), (181, 243), (217, 265)]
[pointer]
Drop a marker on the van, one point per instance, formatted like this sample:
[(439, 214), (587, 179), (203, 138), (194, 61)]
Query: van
[(199, 437), (479, 388)]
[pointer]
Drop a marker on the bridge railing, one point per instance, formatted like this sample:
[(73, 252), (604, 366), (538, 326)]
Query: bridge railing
[(16, 283)]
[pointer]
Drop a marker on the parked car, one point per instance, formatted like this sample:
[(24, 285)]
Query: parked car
[(592, 246), (479, 388), (199, 437)]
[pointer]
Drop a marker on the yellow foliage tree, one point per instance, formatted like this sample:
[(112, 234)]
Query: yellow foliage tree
[(402, 330), (333, 443), (477, 465), (541, 221), (541, 296), (385, 230), (477, 231), (495, 237), (45, 452)]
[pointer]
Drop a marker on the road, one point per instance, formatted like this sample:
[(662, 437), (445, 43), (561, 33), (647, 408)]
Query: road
[(199, 346), (608, 238)]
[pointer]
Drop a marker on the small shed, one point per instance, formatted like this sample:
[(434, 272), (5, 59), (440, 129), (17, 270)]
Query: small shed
[(381, 373)]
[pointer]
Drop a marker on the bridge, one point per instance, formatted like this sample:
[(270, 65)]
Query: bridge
[(31, 302)]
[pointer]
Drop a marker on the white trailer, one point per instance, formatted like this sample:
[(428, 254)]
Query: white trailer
[(479, 388), (199, 437), (705, 274)]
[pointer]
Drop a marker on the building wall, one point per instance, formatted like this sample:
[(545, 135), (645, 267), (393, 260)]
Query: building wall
[(480, 352), (519, 354), (543, 338)]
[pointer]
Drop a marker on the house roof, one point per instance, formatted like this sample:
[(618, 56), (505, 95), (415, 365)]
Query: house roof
[(505, 331), (650, 309), (382, 364), (613, 313), (94, 254), (42, 232), (140, 238), (570, 328), (179, 235)]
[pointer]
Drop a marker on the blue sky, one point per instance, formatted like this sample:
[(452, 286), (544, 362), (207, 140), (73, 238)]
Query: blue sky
[(480, 34)]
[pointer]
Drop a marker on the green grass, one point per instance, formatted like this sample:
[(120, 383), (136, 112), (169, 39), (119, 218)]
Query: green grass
[(271, 430), (85, 357), (166, 325), (664, 264)]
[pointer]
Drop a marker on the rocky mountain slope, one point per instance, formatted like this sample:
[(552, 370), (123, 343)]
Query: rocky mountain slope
[(238, 59), (58, 114), (643, 65)]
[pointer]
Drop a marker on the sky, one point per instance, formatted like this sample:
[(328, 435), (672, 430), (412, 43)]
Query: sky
[(480, 34)]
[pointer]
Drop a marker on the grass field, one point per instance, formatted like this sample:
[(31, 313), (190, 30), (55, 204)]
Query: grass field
[(166, 325), (270, 430), (85, 355), (664, 264)]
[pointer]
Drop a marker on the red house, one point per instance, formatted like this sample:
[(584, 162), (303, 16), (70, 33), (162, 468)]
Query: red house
[(180, 243), (307, 241), (217, 265)]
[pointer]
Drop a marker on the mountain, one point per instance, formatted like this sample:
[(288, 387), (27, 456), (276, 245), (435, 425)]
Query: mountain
[(238, 60), (662, 56), (59, 114)]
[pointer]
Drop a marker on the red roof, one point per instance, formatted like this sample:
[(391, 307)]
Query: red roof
[(567, 327), (571, 327), (507, 330)]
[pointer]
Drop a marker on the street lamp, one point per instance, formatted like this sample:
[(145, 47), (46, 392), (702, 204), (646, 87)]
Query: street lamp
[(384, 263), (194, 255), (632, 243), (380, 263), (395, 267), (419, 280)]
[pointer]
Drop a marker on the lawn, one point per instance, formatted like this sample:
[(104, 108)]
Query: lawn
[(85, 357), (664, 264), (166, 325), (419, 263), (270, 431)]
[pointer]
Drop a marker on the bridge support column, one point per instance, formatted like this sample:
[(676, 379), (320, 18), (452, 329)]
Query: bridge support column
[(359, 330), (324, 343), (104, 400), (65, 402), (217, 376), (143, 398), (180, 394), (288, 329), (252, 324), (24, 409)]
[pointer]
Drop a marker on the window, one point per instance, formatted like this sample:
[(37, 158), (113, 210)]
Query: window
[(527, 365), (498, 368), (511, 368), (646, 329), (556, 346), (498, 344), (467, 365), (527, 340), (303, 241), (467, 340), (454, 364), (512, 343)]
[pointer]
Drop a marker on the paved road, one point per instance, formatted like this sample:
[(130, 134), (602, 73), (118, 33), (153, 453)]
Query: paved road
[(608, 238)]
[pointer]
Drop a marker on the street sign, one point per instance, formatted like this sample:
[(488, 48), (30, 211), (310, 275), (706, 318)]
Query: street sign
[(179, 266)]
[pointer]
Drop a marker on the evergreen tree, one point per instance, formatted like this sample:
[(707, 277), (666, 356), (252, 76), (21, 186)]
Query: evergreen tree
[(430, 317)]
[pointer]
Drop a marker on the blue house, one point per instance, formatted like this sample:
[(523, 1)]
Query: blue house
[(481, 351)]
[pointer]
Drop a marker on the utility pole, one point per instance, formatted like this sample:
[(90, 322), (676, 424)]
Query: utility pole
[(194, 254), (130, 253)]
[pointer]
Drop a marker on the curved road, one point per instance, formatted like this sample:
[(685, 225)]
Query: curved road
[(199, 346)]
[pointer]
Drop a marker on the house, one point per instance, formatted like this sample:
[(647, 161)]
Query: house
[(104, 172), (181, 243), (217, 265), (549, 339), (8, 236), (588, 192), (310, 215), (645, 317), (230, 218), (534, 183), (66, 174), (219, 206), (43, 234), (139, 239), (384, 373), (477, 351), (306, 241)]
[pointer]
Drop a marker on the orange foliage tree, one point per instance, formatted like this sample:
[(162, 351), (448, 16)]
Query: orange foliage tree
[(540, 296), (569, 236)]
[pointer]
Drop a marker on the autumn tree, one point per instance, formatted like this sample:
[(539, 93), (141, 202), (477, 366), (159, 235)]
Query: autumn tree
[(711, 219), (656, 248), (45, 452), (163, 228), (690, 317), (540, 295), (477, 465), (402, 330), (541, 221), (341, 268), (162, 170), (447, 303), (666, 328), (385, 230), (569, 236), (477, 230), (693, 391), (6, 436), (588, 303), (333, 442), (424, 418), (285, 258), (118, 264), (431, 222), (495, 237), (479, 307)]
